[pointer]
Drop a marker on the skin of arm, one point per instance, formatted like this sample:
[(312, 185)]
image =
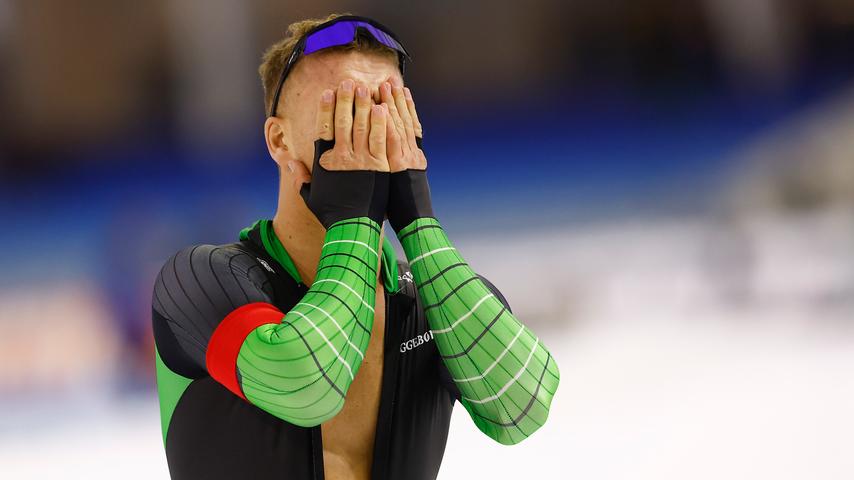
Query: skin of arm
[(297, 365), (505, 374)]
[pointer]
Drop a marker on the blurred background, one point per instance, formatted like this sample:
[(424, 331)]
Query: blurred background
[(663, 189)]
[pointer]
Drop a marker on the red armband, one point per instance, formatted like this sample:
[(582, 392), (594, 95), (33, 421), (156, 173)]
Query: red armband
[(226, 340)]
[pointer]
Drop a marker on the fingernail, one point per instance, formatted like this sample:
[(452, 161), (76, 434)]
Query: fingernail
[(407, 93), (327, 96), (387, 86), (291, 166), (361, 91), (347, 84)]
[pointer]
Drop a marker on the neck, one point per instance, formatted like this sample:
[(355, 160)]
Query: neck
[(302, 235)]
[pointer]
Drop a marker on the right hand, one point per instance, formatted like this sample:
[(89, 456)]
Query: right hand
[(360, 139), (350, 175)]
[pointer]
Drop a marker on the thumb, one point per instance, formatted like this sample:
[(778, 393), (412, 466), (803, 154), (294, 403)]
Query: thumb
[(298, 173)]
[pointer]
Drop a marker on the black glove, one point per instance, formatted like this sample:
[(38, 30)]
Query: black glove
[(409, 196), (335, 195)]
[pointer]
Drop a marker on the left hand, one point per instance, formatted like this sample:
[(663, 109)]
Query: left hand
[(403, 129), (409, 193)]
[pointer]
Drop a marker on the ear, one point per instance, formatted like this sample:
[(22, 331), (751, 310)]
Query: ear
[(277, 132)]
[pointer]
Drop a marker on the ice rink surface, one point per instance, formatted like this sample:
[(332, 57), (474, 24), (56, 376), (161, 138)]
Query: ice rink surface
[(676, 361)]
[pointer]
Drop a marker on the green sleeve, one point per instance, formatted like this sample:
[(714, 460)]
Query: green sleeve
[(300, 368), (505, 374), (170, 388)]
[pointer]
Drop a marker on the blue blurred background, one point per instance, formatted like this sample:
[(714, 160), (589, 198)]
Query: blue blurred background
[(665, 189)]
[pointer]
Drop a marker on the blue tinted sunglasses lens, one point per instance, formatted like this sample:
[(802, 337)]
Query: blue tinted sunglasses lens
[(344, 32)]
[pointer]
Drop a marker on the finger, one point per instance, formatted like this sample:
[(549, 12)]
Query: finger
[(394, 148), (410, 104), (394, 116), (403, 110), (344, 114), (325, 114), (377, 137), (361, 120), (297, 174)]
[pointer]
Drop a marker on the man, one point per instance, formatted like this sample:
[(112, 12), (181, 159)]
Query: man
[(306, 350)]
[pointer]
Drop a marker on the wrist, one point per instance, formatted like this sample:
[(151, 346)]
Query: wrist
[(409, 198), (335, 195)]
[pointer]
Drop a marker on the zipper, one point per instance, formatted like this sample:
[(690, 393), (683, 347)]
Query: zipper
[(317, 452), (285, 298), (388, 395)]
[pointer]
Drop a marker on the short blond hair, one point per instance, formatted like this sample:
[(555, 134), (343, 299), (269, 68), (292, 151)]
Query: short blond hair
[(274, 59)]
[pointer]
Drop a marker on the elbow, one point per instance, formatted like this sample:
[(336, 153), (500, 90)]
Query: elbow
[(300, 421), (512, 429), (535, 414), (509, 440), (314, 406), (294, 388), (516, 430)]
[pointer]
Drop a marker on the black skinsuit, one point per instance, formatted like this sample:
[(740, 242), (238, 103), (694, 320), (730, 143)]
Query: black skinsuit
[(213, 434)]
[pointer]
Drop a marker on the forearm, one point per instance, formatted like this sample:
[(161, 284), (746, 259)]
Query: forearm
[(505, 374), (298, 366)]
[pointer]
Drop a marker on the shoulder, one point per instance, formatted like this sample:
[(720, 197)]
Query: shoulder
[(492, 288), (205, 260), (406, 284), (195, 257), (196, 289), (220, 276)]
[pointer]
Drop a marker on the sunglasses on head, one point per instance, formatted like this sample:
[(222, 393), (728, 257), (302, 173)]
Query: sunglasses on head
[(338, 32)]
